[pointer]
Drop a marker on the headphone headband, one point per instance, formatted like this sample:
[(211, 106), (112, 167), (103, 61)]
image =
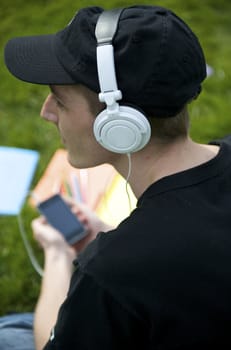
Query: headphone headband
[(105, 31), (107, 25), (120, 129)]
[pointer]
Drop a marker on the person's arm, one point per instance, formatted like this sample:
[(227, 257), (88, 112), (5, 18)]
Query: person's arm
[(58, 268), (58, 257)]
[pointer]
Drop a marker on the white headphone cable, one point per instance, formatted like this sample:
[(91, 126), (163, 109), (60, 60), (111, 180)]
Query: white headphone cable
[(127, 179), (27, 244)]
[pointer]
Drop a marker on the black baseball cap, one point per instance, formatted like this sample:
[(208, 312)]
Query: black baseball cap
[(159, 61)]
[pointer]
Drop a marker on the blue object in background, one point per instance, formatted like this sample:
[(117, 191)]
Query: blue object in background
[(17, 167)]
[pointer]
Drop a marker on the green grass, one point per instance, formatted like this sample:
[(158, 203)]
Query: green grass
[(20, 104)]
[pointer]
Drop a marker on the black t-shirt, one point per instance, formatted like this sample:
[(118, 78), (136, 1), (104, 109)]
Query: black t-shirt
[(162, 279)]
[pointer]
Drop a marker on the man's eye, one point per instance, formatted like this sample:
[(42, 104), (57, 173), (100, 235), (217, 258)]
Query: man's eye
[(59, 104)]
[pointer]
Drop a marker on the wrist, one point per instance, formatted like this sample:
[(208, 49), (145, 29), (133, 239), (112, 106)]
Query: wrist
[(59, 253)]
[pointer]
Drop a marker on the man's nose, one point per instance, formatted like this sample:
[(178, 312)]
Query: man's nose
[(48, 110)]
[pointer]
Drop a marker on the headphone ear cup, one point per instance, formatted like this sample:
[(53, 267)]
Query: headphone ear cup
[(125, 132)]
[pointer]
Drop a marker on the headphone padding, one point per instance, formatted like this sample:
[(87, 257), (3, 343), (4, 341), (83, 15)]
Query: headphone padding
[(126, 132)]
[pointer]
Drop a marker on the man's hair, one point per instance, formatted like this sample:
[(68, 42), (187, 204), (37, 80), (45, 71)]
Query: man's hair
[(168, 129)]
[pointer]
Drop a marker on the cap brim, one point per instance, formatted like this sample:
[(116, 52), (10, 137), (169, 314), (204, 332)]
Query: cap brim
[(33, 59)]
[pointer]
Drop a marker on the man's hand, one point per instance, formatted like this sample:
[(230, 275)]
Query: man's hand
[(90, 220), (48, 237)]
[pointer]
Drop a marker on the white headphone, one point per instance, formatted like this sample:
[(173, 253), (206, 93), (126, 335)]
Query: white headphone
[(120, 129)]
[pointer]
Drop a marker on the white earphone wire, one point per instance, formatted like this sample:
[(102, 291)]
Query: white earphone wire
[(27, 245), (127, 179)]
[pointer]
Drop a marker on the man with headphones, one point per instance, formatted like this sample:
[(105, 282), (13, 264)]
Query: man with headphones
[(120, 83)]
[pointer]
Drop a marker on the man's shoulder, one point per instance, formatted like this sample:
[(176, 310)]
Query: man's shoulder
[(226, 139), (92, 250)]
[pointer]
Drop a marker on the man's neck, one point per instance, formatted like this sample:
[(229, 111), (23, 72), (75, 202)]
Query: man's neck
[(159, 160)]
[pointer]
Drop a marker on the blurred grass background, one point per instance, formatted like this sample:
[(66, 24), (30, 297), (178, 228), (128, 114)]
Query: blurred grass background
[(20, 104)]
